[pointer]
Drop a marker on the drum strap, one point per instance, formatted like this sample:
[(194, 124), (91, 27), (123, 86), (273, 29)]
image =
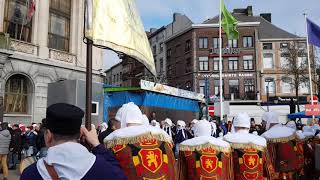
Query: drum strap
[(52, 172)]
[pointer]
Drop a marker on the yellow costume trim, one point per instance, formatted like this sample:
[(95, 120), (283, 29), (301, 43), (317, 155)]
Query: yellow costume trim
[(137, 139), (204, 146), (136, 160), (197, 164), (246, 146), (282, 140)]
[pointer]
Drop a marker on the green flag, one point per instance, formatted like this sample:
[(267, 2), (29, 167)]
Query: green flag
[(229, 23)]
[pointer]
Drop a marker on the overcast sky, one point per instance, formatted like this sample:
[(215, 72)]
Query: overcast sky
[(286, 14)]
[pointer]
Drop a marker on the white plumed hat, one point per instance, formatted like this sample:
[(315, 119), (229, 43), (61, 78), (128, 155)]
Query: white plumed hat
[(242, 120)]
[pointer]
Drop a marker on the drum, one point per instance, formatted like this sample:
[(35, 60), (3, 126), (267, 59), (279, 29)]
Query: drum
[(27, 162)]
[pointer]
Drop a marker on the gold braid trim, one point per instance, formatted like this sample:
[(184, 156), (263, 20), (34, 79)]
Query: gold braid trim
[(137, 139), (244, 146), (204, 146), (281, 140)]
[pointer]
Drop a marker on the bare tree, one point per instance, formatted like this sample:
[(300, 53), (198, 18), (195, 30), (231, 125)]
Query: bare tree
[(295, 67)]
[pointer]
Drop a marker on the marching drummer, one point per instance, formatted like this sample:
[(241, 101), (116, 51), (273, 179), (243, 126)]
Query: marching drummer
[(249, 151), (143, 151)]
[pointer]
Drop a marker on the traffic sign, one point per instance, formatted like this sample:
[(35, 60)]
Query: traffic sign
[(312, 110), (315, 100), (211, 110)]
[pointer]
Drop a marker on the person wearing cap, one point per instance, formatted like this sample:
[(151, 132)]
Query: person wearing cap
[(68, 159), (167, 127), (204, 157), (143, 151), (249, 151), (181, 135), (281, 142)]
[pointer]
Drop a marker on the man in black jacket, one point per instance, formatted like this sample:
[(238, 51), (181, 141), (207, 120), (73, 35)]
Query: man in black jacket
[(15, 146)]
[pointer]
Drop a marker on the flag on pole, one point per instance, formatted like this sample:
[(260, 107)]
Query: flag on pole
[(313, 33), (116, 24), (229, 23)]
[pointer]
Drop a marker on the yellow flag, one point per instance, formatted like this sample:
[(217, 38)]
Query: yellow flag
[(116, 24)]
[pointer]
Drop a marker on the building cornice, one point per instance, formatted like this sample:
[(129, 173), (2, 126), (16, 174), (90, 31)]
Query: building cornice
[(285, 39), (216, 25), (37, 60)]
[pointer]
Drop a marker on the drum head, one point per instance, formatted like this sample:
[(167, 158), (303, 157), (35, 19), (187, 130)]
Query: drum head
[(26, 162)]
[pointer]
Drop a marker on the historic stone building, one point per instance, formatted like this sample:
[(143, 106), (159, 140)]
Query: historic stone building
[(38, 50)]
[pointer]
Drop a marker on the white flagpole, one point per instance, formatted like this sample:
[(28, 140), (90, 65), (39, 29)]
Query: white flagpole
[(220, 63), (309, 66)]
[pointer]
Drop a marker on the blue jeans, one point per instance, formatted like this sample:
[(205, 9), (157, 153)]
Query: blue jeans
[(12, 159)]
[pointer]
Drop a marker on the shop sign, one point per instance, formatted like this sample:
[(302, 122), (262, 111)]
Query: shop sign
[(227, 75)]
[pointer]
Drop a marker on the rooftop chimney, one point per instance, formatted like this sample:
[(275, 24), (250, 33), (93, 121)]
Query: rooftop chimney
[(266, 16), (247, 11), (175, 15)]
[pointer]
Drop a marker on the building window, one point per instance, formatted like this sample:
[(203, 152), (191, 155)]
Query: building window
[(188, 46), (302, 62), (248, 85), (216, 43), (247, 41), (233, 63), (248, 62), (17, 95), (216, 64), (284, 60), (188, 66), (203, 64), (161, 65), (217, 87), (233, 43), (302, 45), (284, 45), (286, 87), (203, 43), (267, 46), (168, 53), (161, 47), (271, 85), (154, 50), (202, 86), (170, 70), (234, 88), (59, 24), (268, 60), (16, 21)]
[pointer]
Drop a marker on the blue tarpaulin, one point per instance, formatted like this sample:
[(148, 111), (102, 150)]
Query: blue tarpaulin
[(299, 115), (148, 99)]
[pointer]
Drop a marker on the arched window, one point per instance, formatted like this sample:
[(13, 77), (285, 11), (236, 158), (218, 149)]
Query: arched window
[(18, 19), (18, 95)]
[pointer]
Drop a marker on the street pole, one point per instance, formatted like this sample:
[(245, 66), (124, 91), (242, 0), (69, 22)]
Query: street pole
[(268, 97), (88, 85), (207, 97), (309, 66), (220, 64)]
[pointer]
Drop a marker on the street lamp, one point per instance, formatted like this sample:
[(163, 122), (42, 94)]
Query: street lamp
[(268, 80)]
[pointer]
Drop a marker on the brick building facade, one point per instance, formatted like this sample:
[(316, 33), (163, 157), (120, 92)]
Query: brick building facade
[(193, 56)]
